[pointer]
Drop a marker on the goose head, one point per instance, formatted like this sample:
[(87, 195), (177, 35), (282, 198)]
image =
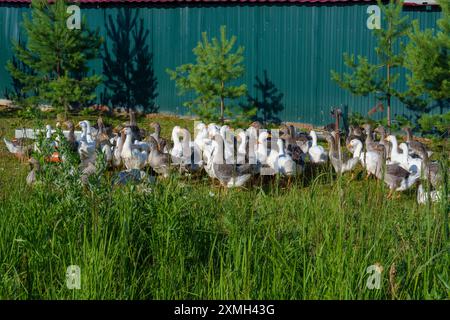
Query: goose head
[(256, 124), (367, 128), (128, 132), (156, 126), (34, 164), (391, 138), (176, 134), (381, 130), (69, 125), (355, 146)]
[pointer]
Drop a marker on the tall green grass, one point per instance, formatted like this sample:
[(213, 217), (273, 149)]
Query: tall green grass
[(187, 239), (184, 240)]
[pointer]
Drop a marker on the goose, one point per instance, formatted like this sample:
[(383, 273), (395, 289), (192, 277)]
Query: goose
[(387, 145), (87, 169), (229, 175), (101, 127), (191, 158), (431, 170), (228, 139), (177, 151), (242, 156), (340, 165), (395, 176), (71, 138), (370, 144), (213, 129), (86, 131), (411, 164), (35, 167), (203, 142), (316, 153), (252, 145), (103, 142), (272, 158), (354, 132), (370, 160), (136, 133), (157, 135), (285, 164), (117, 158), (293, 148), (415, 147), (261, 147), (133, 157), (87, 145), (395, 156), (159, 161), (18, 147)]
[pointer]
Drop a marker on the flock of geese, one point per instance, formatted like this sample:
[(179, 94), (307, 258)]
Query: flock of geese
[(233, 157)]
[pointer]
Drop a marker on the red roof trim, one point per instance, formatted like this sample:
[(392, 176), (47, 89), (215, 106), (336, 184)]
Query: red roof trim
[(207, 1), (219, 1)]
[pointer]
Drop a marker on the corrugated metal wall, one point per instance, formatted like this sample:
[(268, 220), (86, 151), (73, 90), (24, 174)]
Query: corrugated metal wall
[(294, 45)]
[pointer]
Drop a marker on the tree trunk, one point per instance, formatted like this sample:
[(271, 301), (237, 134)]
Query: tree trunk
[(389, 96), (222, 106)]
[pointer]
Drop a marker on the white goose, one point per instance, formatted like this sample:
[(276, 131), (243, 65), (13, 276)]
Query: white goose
[(87, 145), (317, 153), (285, 164), (261, 148), (413, 165), (117, 158), (177, 151), (133, 157), (395, 156), (369, 159), (228, 139)]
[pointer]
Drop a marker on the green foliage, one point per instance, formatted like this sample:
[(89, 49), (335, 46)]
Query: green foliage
[(54, 60), (365, 77), (428, 59), (439, 123), (357, 119), (210, 79)]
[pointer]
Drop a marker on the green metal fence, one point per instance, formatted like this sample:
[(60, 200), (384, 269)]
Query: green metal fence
[(289, 49)]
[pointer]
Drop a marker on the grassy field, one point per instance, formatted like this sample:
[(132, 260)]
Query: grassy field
[(185, 239)]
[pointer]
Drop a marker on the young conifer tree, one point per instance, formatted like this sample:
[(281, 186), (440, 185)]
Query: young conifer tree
[(57, 57), (211, 77), (379, 78), (427, 57)]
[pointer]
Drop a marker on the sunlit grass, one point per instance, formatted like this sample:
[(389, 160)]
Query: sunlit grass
[(186, 239)]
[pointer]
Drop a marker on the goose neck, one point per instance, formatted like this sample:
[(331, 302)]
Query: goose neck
[(314, 138), (358, 150)]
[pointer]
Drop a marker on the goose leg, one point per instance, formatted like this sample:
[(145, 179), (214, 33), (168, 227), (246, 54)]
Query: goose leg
[(389, 196)]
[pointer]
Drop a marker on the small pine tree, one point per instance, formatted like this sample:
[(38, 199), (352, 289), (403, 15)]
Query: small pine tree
[(56, 58), (427, 56), (216, 66), (367, 78)]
